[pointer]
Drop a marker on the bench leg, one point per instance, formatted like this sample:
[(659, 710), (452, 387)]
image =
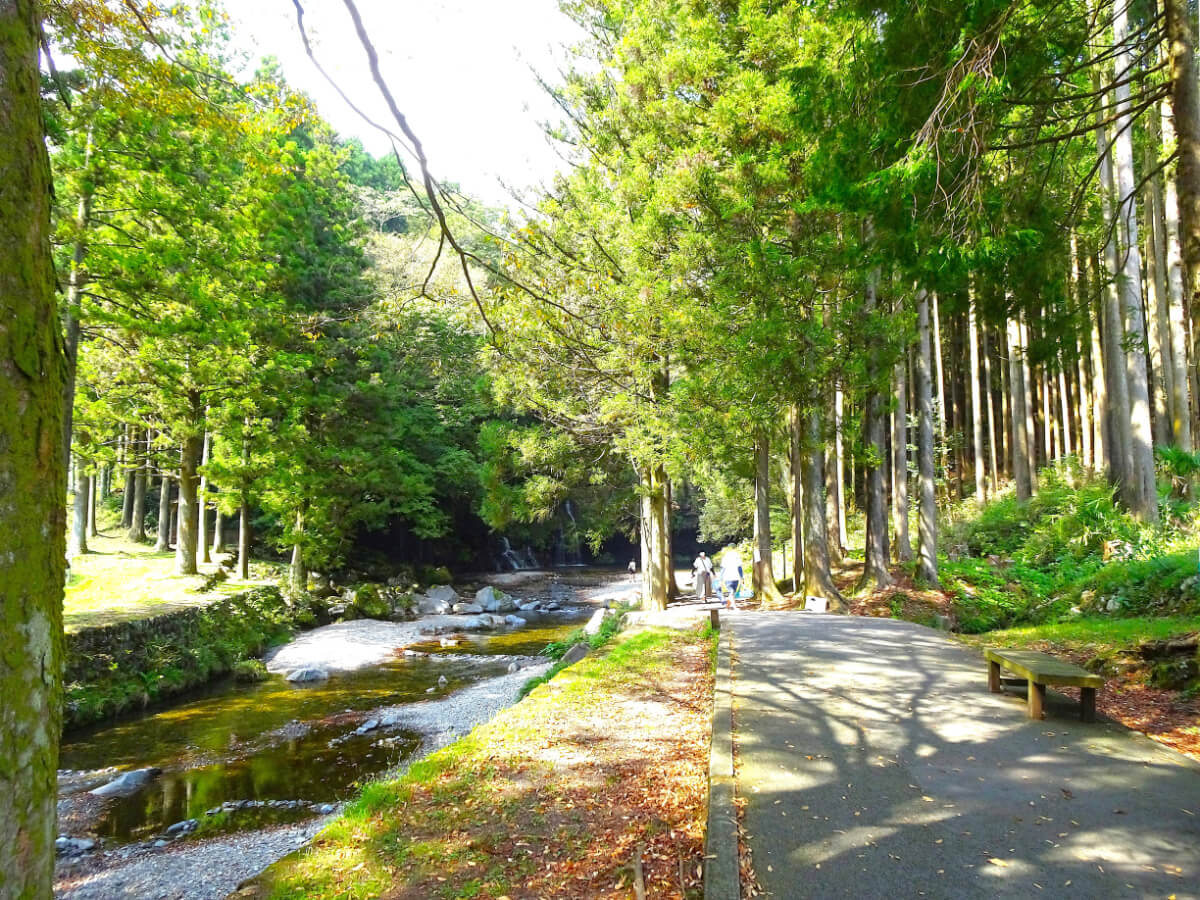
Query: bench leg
[(1087, 704), (994, 677), (1037, 700)]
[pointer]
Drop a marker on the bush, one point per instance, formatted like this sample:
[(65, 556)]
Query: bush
[(250, 671)]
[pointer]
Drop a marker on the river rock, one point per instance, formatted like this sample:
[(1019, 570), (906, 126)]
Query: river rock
[(438, 600), (594, 623), (492, 600), (68, 845), (325, 808), (442, 680), (530, 606), (512, 667), (575, 654), (466, 609), (185, 827), (307, 673), (369, 725), (127, 784), (514, 621)]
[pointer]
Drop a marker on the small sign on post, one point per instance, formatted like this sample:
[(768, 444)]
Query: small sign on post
[(816, 604)]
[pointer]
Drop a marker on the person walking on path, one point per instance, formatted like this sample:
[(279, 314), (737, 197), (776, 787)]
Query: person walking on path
[(731, 576), (702, 573)]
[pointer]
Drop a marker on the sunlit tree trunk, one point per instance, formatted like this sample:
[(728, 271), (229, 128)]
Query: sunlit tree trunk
[(993, 433), (875, 567), (163, 542), (818, 579), (202, 502), (900, 461), (839, 472), (33, 460), (796, 430), (1019, 440), (185, 547), (1158, 336), (927, 514), (1185, 103), (137, 518), (764, 568), (976, 400), (298, 571), (75, 280), (654, 571), (1079, 269), (79, 518), (92, 531), (1027, 398), (1143, 493), (218, 541)]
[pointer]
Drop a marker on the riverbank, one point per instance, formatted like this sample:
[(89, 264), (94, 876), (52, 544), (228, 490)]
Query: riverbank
[(599, 774)]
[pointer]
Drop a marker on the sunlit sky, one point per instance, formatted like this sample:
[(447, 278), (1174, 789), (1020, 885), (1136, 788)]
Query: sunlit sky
[(462, 72)]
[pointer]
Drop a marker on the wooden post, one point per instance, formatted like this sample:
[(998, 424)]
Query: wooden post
[(994, 677), (1037, 699), (1087, 704), (714, 619)]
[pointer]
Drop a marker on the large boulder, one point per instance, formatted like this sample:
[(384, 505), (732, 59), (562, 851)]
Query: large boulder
[(514, 621), (575, 654), (593, 624), (467, 609), (438, 600), (127, 784), (494, 601), (307, 673)]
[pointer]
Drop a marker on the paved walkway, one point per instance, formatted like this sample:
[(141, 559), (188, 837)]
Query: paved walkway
[(875, 763)]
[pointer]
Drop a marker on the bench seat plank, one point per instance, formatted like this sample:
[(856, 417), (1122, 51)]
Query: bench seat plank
[(1041, 668)]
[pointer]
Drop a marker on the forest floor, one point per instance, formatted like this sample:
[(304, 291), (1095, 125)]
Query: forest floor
[(1168, 716), (119, 580), (599, 775)]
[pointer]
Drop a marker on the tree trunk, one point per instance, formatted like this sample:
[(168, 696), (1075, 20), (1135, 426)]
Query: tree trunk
[(993, 466), (185, 547), (93, 479), (941, 375), (130, 488), (976, 400), (818, 579), (1079, 268), (900, 461), (1101, 444), (298, 573), (202, 531), (1158, 336), (1027, 398), (1185, 102), (668, 543), (163, 543), (244, 538), (137, 527), (77, 545), (33, 460), (218, 541), (1019, 440), (1181, 411), (655, 594), (796, 430), (764, 567), (875, 567), (75, 278), (927, 515), (839, 472), (1143, 491)]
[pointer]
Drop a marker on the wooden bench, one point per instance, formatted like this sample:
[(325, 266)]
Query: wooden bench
[(1039, 670)]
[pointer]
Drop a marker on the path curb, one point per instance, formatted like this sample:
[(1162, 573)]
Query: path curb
[(722, 879)]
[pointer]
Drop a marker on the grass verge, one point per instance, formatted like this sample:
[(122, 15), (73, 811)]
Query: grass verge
[(555, 797)]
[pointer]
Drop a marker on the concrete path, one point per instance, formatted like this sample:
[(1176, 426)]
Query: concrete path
[(875, 763)]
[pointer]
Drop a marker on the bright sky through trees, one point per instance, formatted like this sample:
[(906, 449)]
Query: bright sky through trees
[(463, 70)]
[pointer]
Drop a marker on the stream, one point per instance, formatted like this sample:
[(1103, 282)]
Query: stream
[(242, 757)]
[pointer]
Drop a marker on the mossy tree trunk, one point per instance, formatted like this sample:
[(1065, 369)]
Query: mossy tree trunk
[(33, 460)]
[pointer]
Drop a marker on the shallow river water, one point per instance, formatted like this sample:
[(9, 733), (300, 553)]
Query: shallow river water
[(262, 746)]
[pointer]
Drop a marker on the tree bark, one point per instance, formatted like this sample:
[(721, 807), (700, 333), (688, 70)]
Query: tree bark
[(92, 531), (993, 462), (1158, 336), (185, 548), (1028, 400), (218, 541), (796, 430), (764, 567), (818, 579), (33, 460), (839, 471), (75, 279), (298, 573), (976, 400), (1181, 406), (129, 489), (655, 594), (1143, 491), (1185, 103), (77, 545), (927, 514), (137, 527), (904, 550), (1019, 440), (875, 567), (1079, 269), (163, 542), (202, 500), (244, 538)]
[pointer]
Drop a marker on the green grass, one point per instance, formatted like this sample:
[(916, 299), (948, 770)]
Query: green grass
[(1095, 634), (435, 828), (122, 580)]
